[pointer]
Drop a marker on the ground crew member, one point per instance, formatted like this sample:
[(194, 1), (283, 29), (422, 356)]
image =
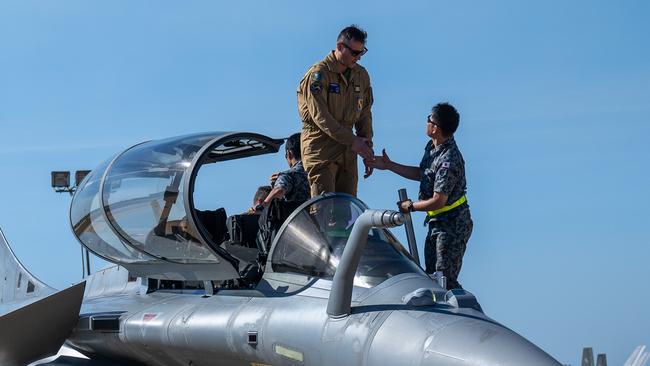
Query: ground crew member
[(333, 96), (442, 194), (290, 185)]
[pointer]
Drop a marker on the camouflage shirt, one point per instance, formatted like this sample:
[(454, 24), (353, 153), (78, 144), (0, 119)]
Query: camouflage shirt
[(294, 183), (442, 170)]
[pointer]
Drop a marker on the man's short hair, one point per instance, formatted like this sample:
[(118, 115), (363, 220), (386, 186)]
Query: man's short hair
[(446, 117), (352, 33), (293, 145), (261, 194)]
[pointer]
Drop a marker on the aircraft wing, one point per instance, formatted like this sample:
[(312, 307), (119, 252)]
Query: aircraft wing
[(74, 361), (69, 357), (35, 320), (67, 361)]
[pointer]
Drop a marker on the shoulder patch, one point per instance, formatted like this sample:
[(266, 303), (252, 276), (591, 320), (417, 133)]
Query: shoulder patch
[(315, 83), (315, 87)]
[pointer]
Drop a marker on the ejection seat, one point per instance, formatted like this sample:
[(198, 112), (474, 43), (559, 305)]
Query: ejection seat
[(214, 222), (250, 236), (242, 232), (270, 221)]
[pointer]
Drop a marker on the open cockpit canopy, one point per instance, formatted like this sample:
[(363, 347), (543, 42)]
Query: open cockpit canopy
[(137, 209)]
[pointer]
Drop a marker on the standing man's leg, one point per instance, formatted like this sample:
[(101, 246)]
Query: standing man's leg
[(463, 233), (455, 248), (345, 181), (347, 175), (321, 177), (447, 251), (450, 248), (430, 251)]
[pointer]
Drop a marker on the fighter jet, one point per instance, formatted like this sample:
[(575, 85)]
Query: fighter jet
[(324, 283)]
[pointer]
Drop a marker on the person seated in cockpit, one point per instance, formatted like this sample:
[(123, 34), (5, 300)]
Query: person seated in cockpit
[(290, 185), (181, 229), (258, 199)]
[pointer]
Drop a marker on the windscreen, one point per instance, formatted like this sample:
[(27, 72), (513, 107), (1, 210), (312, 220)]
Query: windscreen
[(313, 239)]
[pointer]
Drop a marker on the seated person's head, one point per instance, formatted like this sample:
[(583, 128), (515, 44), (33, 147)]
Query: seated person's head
[(260, 195), (292, 149)]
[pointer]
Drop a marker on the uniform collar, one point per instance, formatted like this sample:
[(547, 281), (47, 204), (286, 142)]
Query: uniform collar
[(330, 61), (333, 64), (450, 142)]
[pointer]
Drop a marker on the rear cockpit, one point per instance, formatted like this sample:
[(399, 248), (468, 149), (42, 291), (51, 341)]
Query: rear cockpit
[(138, 210)]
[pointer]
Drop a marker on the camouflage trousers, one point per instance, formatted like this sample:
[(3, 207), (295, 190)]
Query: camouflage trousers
[(445, 246)]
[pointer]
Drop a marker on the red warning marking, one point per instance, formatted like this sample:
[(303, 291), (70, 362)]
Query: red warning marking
[(148, 317)]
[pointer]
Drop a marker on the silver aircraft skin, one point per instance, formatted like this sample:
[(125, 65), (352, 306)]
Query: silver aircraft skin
[(331, 287)]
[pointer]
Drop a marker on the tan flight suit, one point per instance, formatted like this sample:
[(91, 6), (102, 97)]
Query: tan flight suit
[(329, 105)]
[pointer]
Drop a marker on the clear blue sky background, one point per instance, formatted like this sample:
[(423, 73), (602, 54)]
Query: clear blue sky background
[(554, 99)]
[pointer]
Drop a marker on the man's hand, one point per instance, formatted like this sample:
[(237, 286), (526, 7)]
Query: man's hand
[(404, 205), (379, 162), (273, 178), (368, 168), (360, 146)]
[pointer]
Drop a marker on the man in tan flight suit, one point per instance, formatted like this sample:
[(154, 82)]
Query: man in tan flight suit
[(333, 96)]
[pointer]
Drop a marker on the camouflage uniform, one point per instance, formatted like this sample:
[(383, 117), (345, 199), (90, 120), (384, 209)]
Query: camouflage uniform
[(443, 171), (294, 183), (330, 103)]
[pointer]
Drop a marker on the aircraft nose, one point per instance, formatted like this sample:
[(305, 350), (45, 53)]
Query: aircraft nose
[(470, 342), (435, 339)]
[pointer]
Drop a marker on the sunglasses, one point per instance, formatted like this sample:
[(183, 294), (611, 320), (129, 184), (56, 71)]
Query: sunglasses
[(354, 52), (431, 120)]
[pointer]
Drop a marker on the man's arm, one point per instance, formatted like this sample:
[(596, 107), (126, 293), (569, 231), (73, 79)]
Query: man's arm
[(383, 162), (283, 184), (277, 192), (406, 171), (438, 200), (363, 126), (446, 178)]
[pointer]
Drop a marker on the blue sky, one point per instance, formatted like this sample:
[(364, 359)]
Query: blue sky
[(554, 100)]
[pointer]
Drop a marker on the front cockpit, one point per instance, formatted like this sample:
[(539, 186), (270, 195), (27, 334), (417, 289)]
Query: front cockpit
[(138, 209), (312, 240)]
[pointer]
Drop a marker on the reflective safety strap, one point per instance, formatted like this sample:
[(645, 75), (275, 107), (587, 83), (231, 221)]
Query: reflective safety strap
[(460, 201)]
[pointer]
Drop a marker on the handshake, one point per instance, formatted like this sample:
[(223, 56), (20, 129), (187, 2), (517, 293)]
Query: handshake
[(363, 147)]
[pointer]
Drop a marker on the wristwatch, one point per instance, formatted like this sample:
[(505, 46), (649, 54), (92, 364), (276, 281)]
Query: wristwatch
[(410, 207)]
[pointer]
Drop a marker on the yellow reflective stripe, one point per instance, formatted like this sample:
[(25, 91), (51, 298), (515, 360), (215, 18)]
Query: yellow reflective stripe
[(289, 353), (458, 202)]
